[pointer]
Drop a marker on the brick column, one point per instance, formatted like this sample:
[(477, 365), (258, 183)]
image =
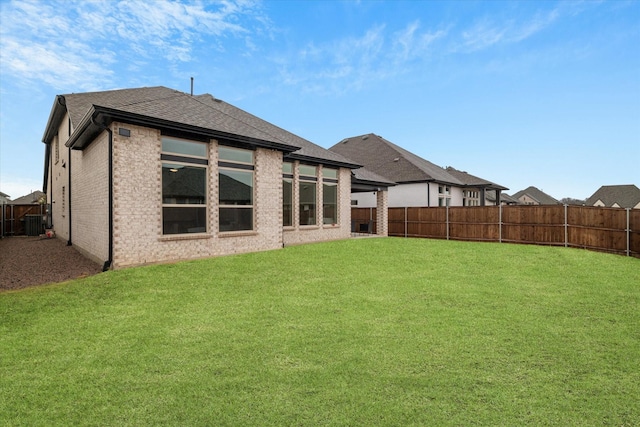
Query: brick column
[(382, 213)]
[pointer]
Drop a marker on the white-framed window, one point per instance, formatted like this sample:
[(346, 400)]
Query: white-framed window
[(287, 194), (470, 198), (444, 195), (308, 194), (235, 189), (329, 196), (184, 186)]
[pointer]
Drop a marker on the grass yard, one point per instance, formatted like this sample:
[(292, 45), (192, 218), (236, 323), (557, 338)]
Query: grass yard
[(363, 332)]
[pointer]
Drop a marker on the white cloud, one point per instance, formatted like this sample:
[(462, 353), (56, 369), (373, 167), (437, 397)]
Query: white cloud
[(75, 43)]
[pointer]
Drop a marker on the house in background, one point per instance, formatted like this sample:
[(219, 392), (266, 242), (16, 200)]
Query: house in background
[(418, 181), (35, 198), (505, 199), (151, 175), (616, 196), (4, 198), (533, 196)]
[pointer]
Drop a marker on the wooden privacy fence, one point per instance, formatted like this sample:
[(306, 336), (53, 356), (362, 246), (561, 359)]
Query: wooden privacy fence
[(17, 220), (614, 230)]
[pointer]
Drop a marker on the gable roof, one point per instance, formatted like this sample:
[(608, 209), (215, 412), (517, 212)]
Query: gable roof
[(401, 166), (537, 195), (625, 196), (166, 108), (30, 199), (472, 180), (391, 161)]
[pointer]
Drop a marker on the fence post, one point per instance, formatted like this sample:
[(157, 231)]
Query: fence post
[(566, 231), (447, 210), (628, 234), (405, 222), (500, 223)]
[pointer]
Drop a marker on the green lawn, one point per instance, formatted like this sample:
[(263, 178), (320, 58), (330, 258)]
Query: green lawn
[(359, 333)]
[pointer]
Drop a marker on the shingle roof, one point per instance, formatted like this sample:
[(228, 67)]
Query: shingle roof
[(536, 194), (201, 112), (473, 180), (626, 196), (399, 165), (391, 161), (29, 199)]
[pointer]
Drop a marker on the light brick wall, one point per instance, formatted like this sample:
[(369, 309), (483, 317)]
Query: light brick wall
[(59, 184), (90, 199), (138, 237), (382, 213), (320, 232)]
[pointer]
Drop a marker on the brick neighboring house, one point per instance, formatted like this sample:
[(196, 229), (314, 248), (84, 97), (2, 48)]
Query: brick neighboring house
[(533, 196), (616, 196), (152, 175), (418, 181)]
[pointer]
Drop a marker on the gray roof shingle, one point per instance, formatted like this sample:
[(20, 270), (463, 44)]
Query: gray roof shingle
[(625, 196), (536, 194), (199, 112)]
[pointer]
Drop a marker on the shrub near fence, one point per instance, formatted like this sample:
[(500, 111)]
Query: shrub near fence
[(612, 230)]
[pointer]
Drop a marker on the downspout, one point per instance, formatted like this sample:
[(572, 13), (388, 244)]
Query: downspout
[(70, 197), (109, 261)]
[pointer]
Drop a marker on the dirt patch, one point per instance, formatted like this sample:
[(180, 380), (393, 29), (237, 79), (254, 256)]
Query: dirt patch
[(32, 261)]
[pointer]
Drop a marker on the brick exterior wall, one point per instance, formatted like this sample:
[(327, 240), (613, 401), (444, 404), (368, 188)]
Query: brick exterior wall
[(137, 203), (90, 199), (382, 213), (59, 182)]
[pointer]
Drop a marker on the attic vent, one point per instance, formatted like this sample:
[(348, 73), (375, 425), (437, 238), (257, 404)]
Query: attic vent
[(217, 100), (365, 137), (396, 159), (344, 141)]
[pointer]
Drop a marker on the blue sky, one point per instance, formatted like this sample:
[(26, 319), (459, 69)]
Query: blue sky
[(524, 93)]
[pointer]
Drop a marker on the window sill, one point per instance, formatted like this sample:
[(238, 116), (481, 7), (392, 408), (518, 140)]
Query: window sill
[(223, 234), (173, 237), (329, 226), (309, 227)]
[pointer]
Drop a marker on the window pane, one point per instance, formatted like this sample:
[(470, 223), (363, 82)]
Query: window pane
[(307, 203), (287, 168), (183, 184), (188, 148), (238, 155), (236, 219), (236, 187), (179, 220), (330, 203), (308, 170), (330, 173), (287, 203)]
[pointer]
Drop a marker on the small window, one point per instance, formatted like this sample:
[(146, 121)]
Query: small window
[(185, 148), (306, 170), (287, 168), (235, 155)]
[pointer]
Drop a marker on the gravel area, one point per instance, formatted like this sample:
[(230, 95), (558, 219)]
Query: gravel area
[(30, 261)]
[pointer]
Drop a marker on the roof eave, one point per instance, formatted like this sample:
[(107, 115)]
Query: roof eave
[(58, 110), (329, 162)]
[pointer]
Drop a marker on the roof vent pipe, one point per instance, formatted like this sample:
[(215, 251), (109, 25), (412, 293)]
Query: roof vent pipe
[(191, 86)]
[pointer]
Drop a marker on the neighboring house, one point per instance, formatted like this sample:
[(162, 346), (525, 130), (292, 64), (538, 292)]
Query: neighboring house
[(35, 198), (418, 181), (4, 198), (533, 196), (151, 175), (616, 196), (505, 199)]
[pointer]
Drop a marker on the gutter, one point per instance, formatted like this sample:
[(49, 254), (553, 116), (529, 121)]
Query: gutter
[(109, 261)]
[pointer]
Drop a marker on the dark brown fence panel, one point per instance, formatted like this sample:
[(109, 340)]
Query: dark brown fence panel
[(363, 220), (613, 230), (480, 223), (14, 218), (542, 225)]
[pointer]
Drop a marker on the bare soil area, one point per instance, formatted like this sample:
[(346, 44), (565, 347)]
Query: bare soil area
[(31, 261)]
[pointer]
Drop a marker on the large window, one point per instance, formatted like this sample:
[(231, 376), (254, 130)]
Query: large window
[(184, 186), (329, 196), (308, 186), (444, 195), (287, 194), (235, 180)]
